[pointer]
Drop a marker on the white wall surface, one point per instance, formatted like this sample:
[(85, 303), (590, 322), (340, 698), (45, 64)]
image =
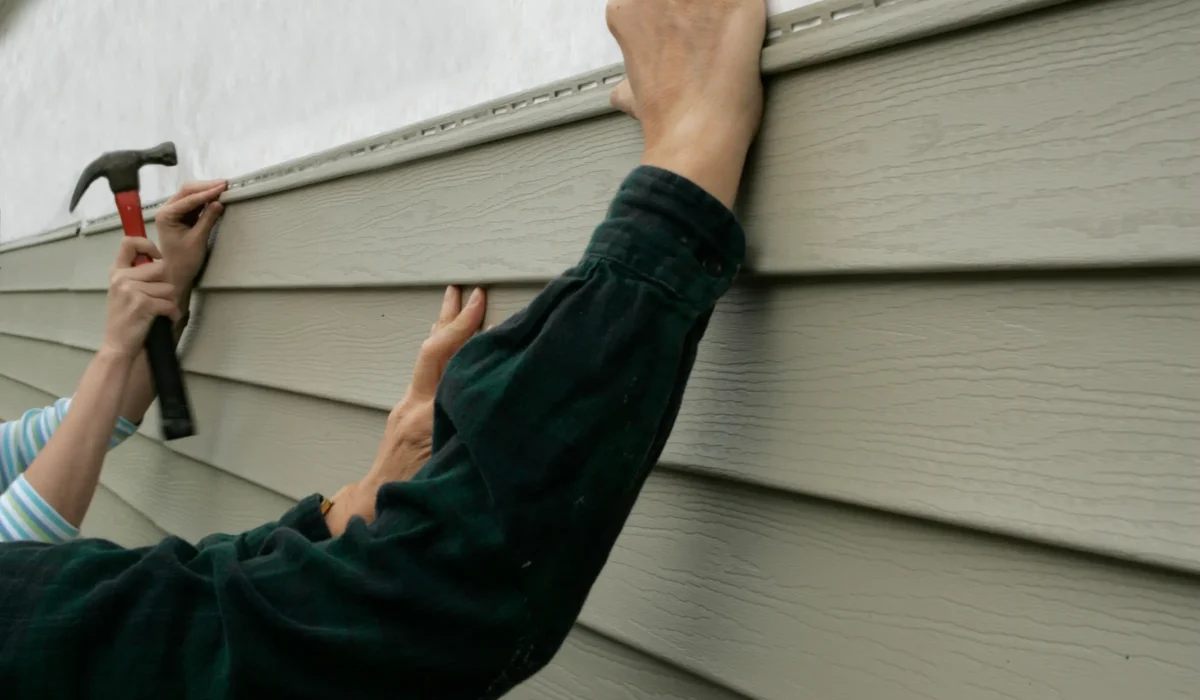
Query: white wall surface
[(243, 84)]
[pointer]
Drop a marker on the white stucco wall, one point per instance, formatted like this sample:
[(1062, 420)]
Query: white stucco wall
[(242, 84)]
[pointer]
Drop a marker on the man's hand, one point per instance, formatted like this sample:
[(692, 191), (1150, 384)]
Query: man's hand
[(408, 437), (693, 80), (183, 224)]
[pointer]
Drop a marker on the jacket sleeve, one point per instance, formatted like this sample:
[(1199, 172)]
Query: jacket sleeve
[(471, 574)]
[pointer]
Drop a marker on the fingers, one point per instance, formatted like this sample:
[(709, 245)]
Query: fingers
[(176, 210), (150, 272), (131, 248), (622, 98), (468, 321), (139, 293), (190, 188), (158, 290), (162, 307), (448, 337), (451, 307)]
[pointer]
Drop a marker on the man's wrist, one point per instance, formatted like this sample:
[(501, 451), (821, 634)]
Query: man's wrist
[(353, 499), (713, 159)]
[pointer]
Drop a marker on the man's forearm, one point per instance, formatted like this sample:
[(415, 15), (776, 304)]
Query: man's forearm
[(563, 410), (66, 472)]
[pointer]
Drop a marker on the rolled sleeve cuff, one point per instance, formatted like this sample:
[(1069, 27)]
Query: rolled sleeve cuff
[(669, 229), (123, 431), (305, 517), (26, 516)]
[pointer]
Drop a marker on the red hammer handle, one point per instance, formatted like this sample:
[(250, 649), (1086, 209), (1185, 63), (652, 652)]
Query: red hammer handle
[(129, 206)]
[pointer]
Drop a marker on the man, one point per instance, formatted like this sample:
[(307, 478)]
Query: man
[(471, 574), (46, 485)]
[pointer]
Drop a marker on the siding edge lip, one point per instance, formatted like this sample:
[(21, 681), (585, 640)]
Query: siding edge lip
[(1166, 262), (1032, 536), (49, 236), (683, 670), (824, 31)]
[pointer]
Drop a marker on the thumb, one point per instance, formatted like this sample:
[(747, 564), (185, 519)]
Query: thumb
[(436, 352), (623, 99)]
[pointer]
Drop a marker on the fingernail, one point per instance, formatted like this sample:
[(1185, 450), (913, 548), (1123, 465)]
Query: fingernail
[(476, 296), (449, 293)]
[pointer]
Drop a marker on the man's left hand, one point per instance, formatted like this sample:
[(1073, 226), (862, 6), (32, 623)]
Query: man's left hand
[(183, 224), (408, 437)]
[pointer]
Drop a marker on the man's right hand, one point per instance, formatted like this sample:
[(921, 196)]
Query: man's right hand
[(694, 82), (136, 295)]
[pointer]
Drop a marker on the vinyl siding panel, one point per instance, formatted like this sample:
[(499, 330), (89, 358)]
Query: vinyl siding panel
[(940, 443), (1048, 140), (41, 265), (1047, 407), (110, 518), (594, 667)]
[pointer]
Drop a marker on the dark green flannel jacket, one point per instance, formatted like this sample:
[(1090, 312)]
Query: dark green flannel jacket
[(472, 574)]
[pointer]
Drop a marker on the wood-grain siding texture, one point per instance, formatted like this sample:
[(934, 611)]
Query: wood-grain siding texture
[(940, 444)]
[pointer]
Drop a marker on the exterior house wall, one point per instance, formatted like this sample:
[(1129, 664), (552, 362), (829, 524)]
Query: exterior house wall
[(939, 442)]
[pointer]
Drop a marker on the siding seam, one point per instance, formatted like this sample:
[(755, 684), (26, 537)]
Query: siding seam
[(695, 675)]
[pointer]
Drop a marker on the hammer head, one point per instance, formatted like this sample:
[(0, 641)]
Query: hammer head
[(121, 169)]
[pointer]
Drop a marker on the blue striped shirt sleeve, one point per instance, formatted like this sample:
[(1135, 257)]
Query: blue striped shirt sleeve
[(24, 514)]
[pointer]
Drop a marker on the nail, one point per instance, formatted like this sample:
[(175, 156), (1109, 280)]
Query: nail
[(449, 293), (476, 296)]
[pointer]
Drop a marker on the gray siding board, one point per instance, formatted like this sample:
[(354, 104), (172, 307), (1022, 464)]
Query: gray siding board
[(40, 315), (784, 598), (186, 497), (964, 151), (289, 443), (110, 518), (592, 667), (1045, 407), (50, 367), (44, 266)]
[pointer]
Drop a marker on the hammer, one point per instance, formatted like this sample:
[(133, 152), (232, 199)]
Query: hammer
[(121, 169)]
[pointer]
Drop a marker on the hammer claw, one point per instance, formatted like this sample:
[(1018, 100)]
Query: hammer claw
[(121, 169)]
